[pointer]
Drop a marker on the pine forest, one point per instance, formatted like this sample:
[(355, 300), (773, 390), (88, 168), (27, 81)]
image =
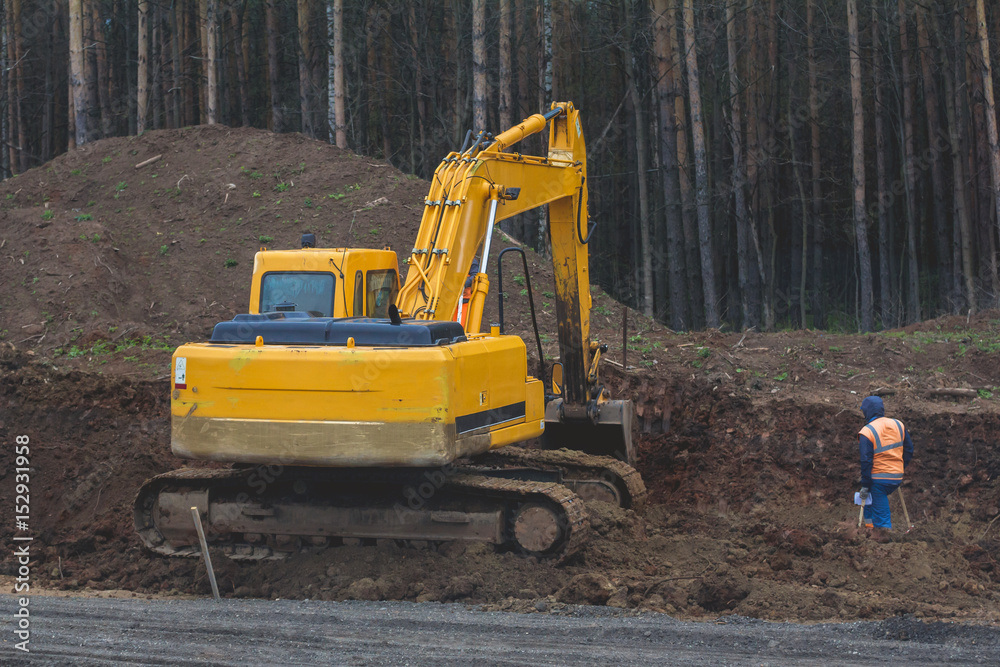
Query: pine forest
[(766, 164)]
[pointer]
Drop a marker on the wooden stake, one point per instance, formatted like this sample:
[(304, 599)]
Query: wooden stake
[(906, 515), (204, 551), (625, 337), (149, 161)]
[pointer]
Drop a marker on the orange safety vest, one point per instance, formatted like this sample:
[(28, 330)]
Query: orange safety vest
[(887, 435)]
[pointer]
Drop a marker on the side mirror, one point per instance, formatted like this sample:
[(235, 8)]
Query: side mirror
[(557, 378)]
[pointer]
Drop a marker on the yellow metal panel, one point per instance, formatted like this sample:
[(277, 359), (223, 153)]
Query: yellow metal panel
[(339, 406)]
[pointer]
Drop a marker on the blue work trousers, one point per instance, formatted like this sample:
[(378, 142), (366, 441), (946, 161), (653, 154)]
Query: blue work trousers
[(878, 513)]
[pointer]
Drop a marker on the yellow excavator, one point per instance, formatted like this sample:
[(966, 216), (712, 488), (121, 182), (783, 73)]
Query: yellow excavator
[(351, 409)]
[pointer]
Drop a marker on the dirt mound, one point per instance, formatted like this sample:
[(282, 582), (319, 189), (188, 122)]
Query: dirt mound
[(746, 441), (101, 253)]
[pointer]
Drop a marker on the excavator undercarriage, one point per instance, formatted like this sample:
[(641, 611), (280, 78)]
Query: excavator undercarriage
[(530, 501)]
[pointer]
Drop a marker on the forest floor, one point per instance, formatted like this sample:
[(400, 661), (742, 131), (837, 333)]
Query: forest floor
[(746, 441)]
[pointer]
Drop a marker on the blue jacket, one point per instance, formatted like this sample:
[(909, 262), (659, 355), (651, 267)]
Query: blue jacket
[(873, 408)]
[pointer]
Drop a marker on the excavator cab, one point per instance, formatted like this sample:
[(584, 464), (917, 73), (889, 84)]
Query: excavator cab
[(324, 282)]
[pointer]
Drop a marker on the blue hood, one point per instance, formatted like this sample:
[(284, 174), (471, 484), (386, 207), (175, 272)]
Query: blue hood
[(872, 408)]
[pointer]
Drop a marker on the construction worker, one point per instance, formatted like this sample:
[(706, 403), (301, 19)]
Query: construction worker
[(885, 449)]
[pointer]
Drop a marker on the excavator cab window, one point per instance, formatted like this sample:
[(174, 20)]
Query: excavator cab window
[(302, 291), (383, 286), (359, 295)]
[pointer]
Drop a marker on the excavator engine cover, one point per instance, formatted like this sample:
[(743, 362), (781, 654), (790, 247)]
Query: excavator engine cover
[(609, 435)]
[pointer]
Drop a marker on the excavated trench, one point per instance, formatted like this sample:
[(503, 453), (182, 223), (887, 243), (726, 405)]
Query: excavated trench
[(749, 512)]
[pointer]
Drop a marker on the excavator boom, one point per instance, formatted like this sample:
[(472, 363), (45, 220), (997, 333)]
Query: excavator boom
[(471, 191)]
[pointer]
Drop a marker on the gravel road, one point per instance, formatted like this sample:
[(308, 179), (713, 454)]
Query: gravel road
[(78, 631)]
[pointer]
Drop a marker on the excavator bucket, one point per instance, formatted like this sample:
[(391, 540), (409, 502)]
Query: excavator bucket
[(611, 435)]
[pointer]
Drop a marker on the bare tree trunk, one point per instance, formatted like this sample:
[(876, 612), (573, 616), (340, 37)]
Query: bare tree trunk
[(415, 54), (192, 101), (236, 17), (991, 112), (701, 173), (909, 171), (211, 52), (884, 204), (142, 87), (544, 98), (5, 139), (979, 159), (478, 65), (19, 55), (963, 254), (523, 58), (102, 83), (666, 87), (858, 144), (202, 88), (642, 166), (76, 70), (817, 300), (504, 75), (797, 167), (339, 115), (953, 108), (739, 173), (688, 205), (305, 80), (271, 20), (175, 66), (10, 136), (937, 145), (758, 287)]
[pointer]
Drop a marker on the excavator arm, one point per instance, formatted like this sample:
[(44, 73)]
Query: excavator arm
[(477, 187)]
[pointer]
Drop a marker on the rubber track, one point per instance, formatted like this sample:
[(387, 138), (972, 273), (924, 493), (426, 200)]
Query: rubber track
[(569, 459), (147, 530), (576, 521)]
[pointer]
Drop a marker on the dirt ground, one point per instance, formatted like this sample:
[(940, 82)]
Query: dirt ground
[(746, 441)]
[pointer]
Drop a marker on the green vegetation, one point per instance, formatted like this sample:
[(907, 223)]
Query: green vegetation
[(782, 377), (83, 217), (48, 214), (230, 263), (164, 249), (282, 187), (265, 239)]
